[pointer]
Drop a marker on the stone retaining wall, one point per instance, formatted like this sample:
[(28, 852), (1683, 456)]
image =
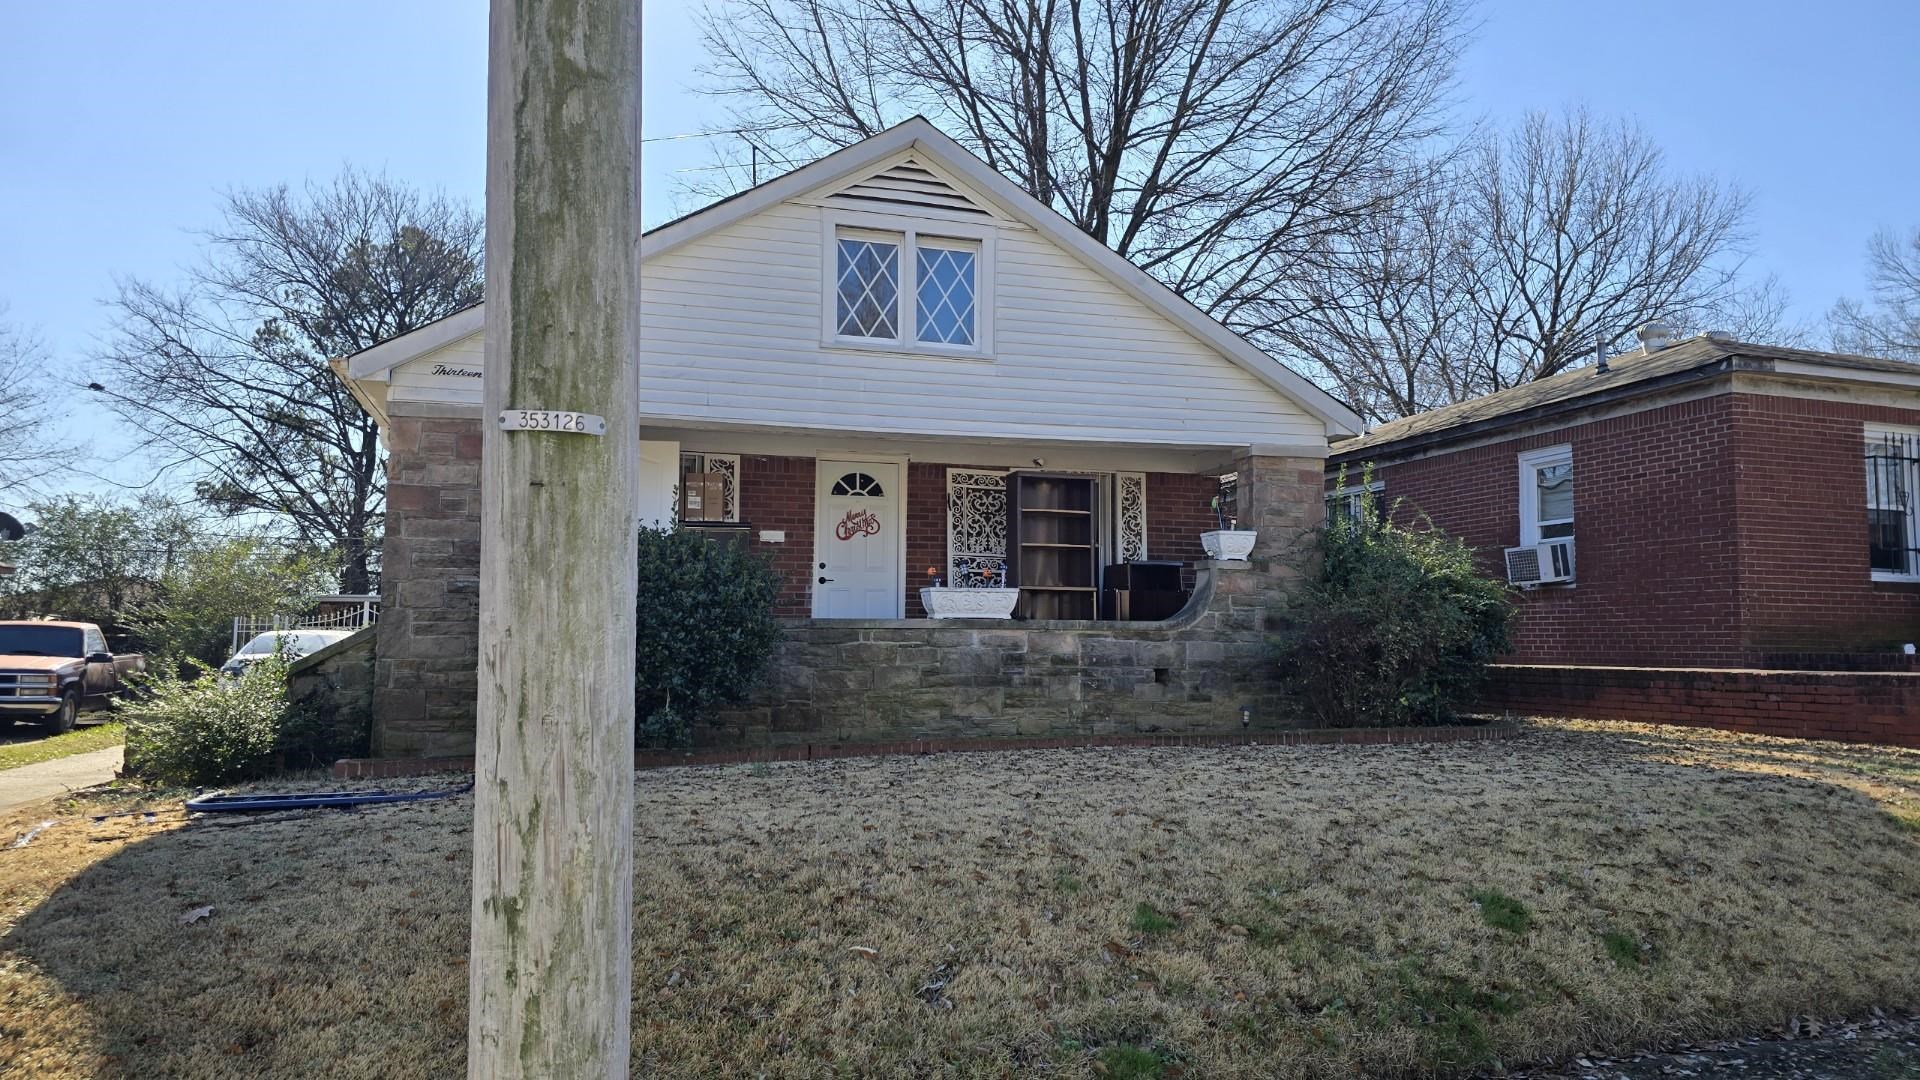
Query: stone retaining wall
[(932, 679), (341, 674)]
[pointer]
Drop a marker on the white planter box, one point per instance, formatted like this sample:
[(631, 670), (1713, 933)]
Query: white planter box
[(1229, 545), (950, 603)]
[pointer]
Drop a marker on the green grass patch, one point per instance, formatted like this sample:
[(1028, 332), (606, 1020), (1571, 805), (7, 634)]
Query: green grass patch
[(1503, 912), (1148, 919), (1067, 883), (1906, 817), (1130, 1062), (1450, 1015), (1624, 950), (47, 748)]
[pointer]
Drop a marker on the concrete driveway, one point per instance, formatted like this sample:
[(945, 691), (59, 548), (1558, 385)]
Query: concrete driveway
[(31, 783)]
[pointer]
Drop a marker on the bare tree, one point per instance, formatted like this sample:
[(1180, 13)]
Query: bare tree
[(1218, 144), (1888, 323), (1519, 259), (226, 380), (1578, 234), (29, 445), (1755, 310), (1387, 313)]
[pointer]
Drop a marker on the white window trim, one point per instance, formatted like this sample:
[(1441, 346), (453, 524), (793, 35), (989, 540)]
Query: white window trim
[(1349, 494), (906, 315), (1869, 433), (1530, 463)]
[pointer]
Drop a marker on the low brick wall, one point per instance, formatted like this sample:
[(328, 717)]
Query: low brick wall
[(392, 768), (1852, 706), (895, 679)]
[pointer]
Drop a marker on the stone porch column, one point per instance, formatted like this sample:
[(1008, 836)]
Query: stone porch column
[(1283, 497), (426, 650)]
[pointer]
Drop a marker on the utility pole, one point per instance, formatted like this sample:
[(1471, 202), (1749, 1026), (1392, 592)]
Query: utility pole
[(552, 953)]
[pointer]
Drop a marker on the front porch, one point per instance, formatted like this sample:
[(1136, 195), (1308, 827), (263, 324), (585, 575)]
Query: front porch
[(857, 527), (882, 669)]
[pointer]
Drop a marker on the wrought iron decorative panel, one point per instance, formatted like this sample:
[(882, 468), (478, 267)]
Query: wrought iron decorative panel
[(976, 527), (728, 466), (1130, 525)]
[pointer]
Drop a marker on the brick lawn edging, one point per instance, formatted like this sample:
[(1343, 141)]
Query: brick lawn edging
[(1849, 706), (387, 768)]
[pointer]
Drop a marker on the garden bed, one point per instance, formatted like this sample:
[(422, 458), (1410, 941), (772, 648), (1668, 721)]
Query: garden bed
[(1243, 911)]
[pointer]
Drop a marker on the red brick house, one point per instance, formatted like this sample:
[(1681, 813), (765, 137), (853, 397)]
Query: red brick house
[(1709, 505)]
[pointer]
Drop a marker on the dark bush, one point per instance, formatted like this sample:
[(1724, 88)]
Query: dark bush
[(321, 730), (705, 630), (1398, 629)]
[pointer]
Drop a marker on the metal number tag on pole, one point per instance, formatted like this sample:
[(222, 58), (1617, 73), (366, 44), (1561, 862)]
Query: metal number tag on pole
[(575, 423)]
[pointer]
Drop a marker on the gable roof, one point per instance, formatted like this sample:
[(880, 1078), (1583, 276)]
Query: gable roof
[(1695, 359), (929, 147)]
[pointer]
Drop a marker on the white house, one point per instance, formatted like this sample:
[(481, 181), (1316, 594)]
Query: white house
[(847, 366)]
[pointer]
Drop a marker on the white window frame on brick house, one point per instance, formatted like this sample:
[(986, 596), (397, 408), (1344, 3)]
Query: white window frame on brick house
[(1531, 463), (1345, 500), (910, 236), (1897, 490)]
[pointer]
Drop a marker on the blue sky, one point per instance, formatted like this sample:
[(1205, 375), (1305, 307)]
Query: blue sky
[(122, 122)]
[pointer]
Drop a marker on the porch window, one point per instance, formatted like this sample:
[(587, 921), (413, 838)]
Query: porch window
[(1893, 514), (709, 488), (1546, 494)]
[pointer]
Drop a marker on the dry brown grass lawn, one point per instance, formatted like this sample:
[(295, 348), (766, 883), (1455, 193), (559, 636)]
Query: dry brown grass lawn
[(1222, 912)]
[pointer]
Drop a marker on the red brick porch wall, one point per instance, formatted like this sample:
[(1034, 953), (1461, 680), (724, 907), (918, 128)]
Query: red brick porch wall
[(1852, 706)]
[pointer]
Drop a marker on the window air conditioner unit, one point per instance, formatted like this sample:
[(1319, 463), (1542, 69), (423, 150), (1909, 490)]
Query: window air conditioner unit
[(1540, 564)]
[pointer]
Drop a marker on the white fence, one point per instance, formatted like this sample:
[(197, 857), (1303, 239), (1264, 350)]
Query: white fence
[(335, 613)]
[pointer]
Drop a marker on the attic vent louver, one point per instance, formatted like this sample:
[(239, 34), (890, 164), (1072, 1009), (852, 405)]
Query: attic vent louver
[(905, 185)]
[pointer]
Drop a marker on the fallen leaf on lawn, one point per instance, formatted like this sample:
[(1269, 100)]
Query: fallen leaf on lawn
[(196, 915), (1116, 951), (1237, 930), (863, 950)]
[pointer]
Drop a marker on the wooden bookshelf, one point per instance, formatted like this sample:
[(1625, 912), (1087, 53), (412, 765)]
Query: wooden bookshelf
[(1052, 545)]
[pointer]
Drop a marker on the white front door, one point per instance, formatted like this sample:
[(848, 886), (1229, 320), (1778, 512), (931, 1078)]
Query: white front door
[(857, 542)]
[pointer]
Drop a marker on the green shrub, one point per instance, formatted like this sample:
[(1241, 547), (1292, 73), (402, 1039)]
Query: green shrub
[(1399, 627), (705, 630), (207, 729)]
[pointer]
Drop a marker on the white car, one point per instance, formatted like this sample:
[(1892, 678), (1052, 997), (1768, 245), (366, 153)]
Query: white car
[(292, 644)]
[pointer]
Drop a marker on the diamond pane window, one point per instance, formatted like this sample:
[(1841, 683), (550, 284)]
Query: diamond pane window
[(945, 295), (869, 289)]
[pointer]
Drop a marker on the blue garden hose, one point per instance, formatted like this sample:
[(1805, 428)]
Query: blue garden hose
[(222, 803)]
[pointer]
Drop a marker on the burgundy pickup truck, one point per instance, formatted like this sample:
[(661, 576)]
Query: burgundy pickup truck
[(51, 672)]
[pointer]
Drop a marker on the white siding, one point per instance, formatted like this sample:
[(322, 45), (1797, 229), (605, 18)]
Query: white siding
[(431, 378), (731, 333), (731, 328)]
